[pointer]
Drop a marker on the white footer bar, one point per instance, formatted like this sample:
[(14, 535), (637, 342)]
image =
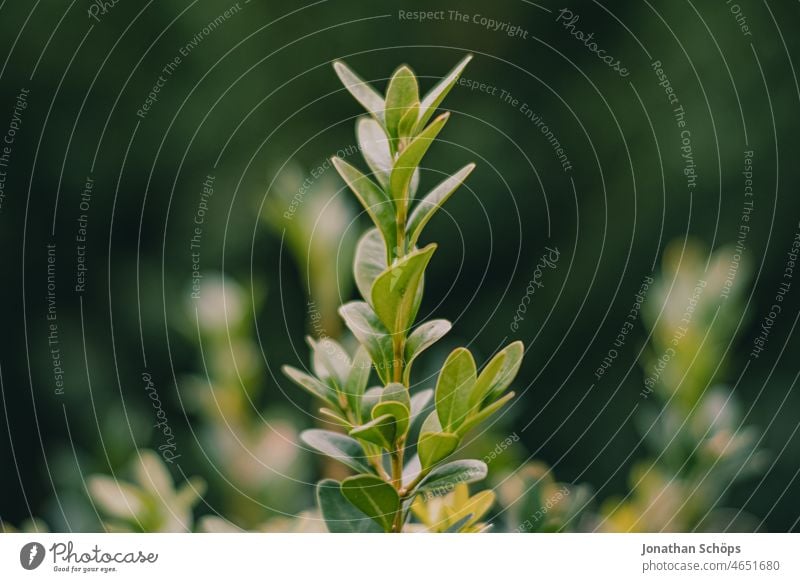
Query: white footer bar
[(406, 558)]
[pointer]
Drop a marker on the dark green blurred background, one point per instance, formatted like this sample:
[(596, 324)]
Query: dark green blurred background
[(259, 91)]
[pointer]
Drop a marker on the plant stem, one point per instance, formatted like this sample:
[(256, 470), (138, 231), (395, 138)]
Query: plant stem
[(397, 482), (398, 347), (416, 481)]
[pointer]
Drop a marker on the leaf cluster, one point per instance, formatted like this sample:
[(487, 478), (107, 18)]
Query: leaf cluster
[(397, 443)]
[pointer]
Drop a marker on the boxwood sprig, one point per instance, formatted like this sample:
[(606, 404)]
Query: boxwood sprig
[(398, 445)]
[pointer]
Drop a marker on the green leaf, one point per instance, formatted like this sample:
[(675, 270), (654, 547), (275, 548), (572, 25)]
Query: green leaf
[(336, 417), (436, 446), (375, 146), (361, 90), (503, 379), (311, 384), (370, 399), (374, 497), (340, 515), (410, 158), (479, 417), (485, 380), (444, 478), (396, 392), (362, 321), (435, 96), (399, 412), (330, 362), (337, 446), (421, 339), (453, 388), (370, 261), (418, 403), (394, 292), (401, 95), (379, 431), (427, 207), (396, 402), (405, 128), (358, 379), (372, 197)]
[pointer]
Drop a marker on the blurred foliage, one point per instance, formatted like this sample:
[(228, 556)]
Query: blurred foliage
[(693, 427), (253, 101)]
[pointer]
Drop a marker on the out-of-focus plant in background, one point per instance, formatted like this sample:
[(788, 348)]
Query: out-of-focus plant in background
[(691, 423)]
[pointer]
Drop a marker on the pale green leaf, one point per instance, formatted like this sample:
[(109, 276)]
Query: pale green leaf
[(444, 478), (423, 337), (394, 292), (370, 399), (410, 158), (310, 384), (436, 95), (370, 261), (407, 123), (374, 145), (362, 321), (372, 197), (341, 447), (340, 515), (485, 413), (427, 207), (330, 361), (336, 417), (361, 90), (435, 446), (418, 403), (374, 497), (453, 388), (379, 431), (401, 95), (485, 379), (396, 392), (357, 379), (398, 411), (503, 379)]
